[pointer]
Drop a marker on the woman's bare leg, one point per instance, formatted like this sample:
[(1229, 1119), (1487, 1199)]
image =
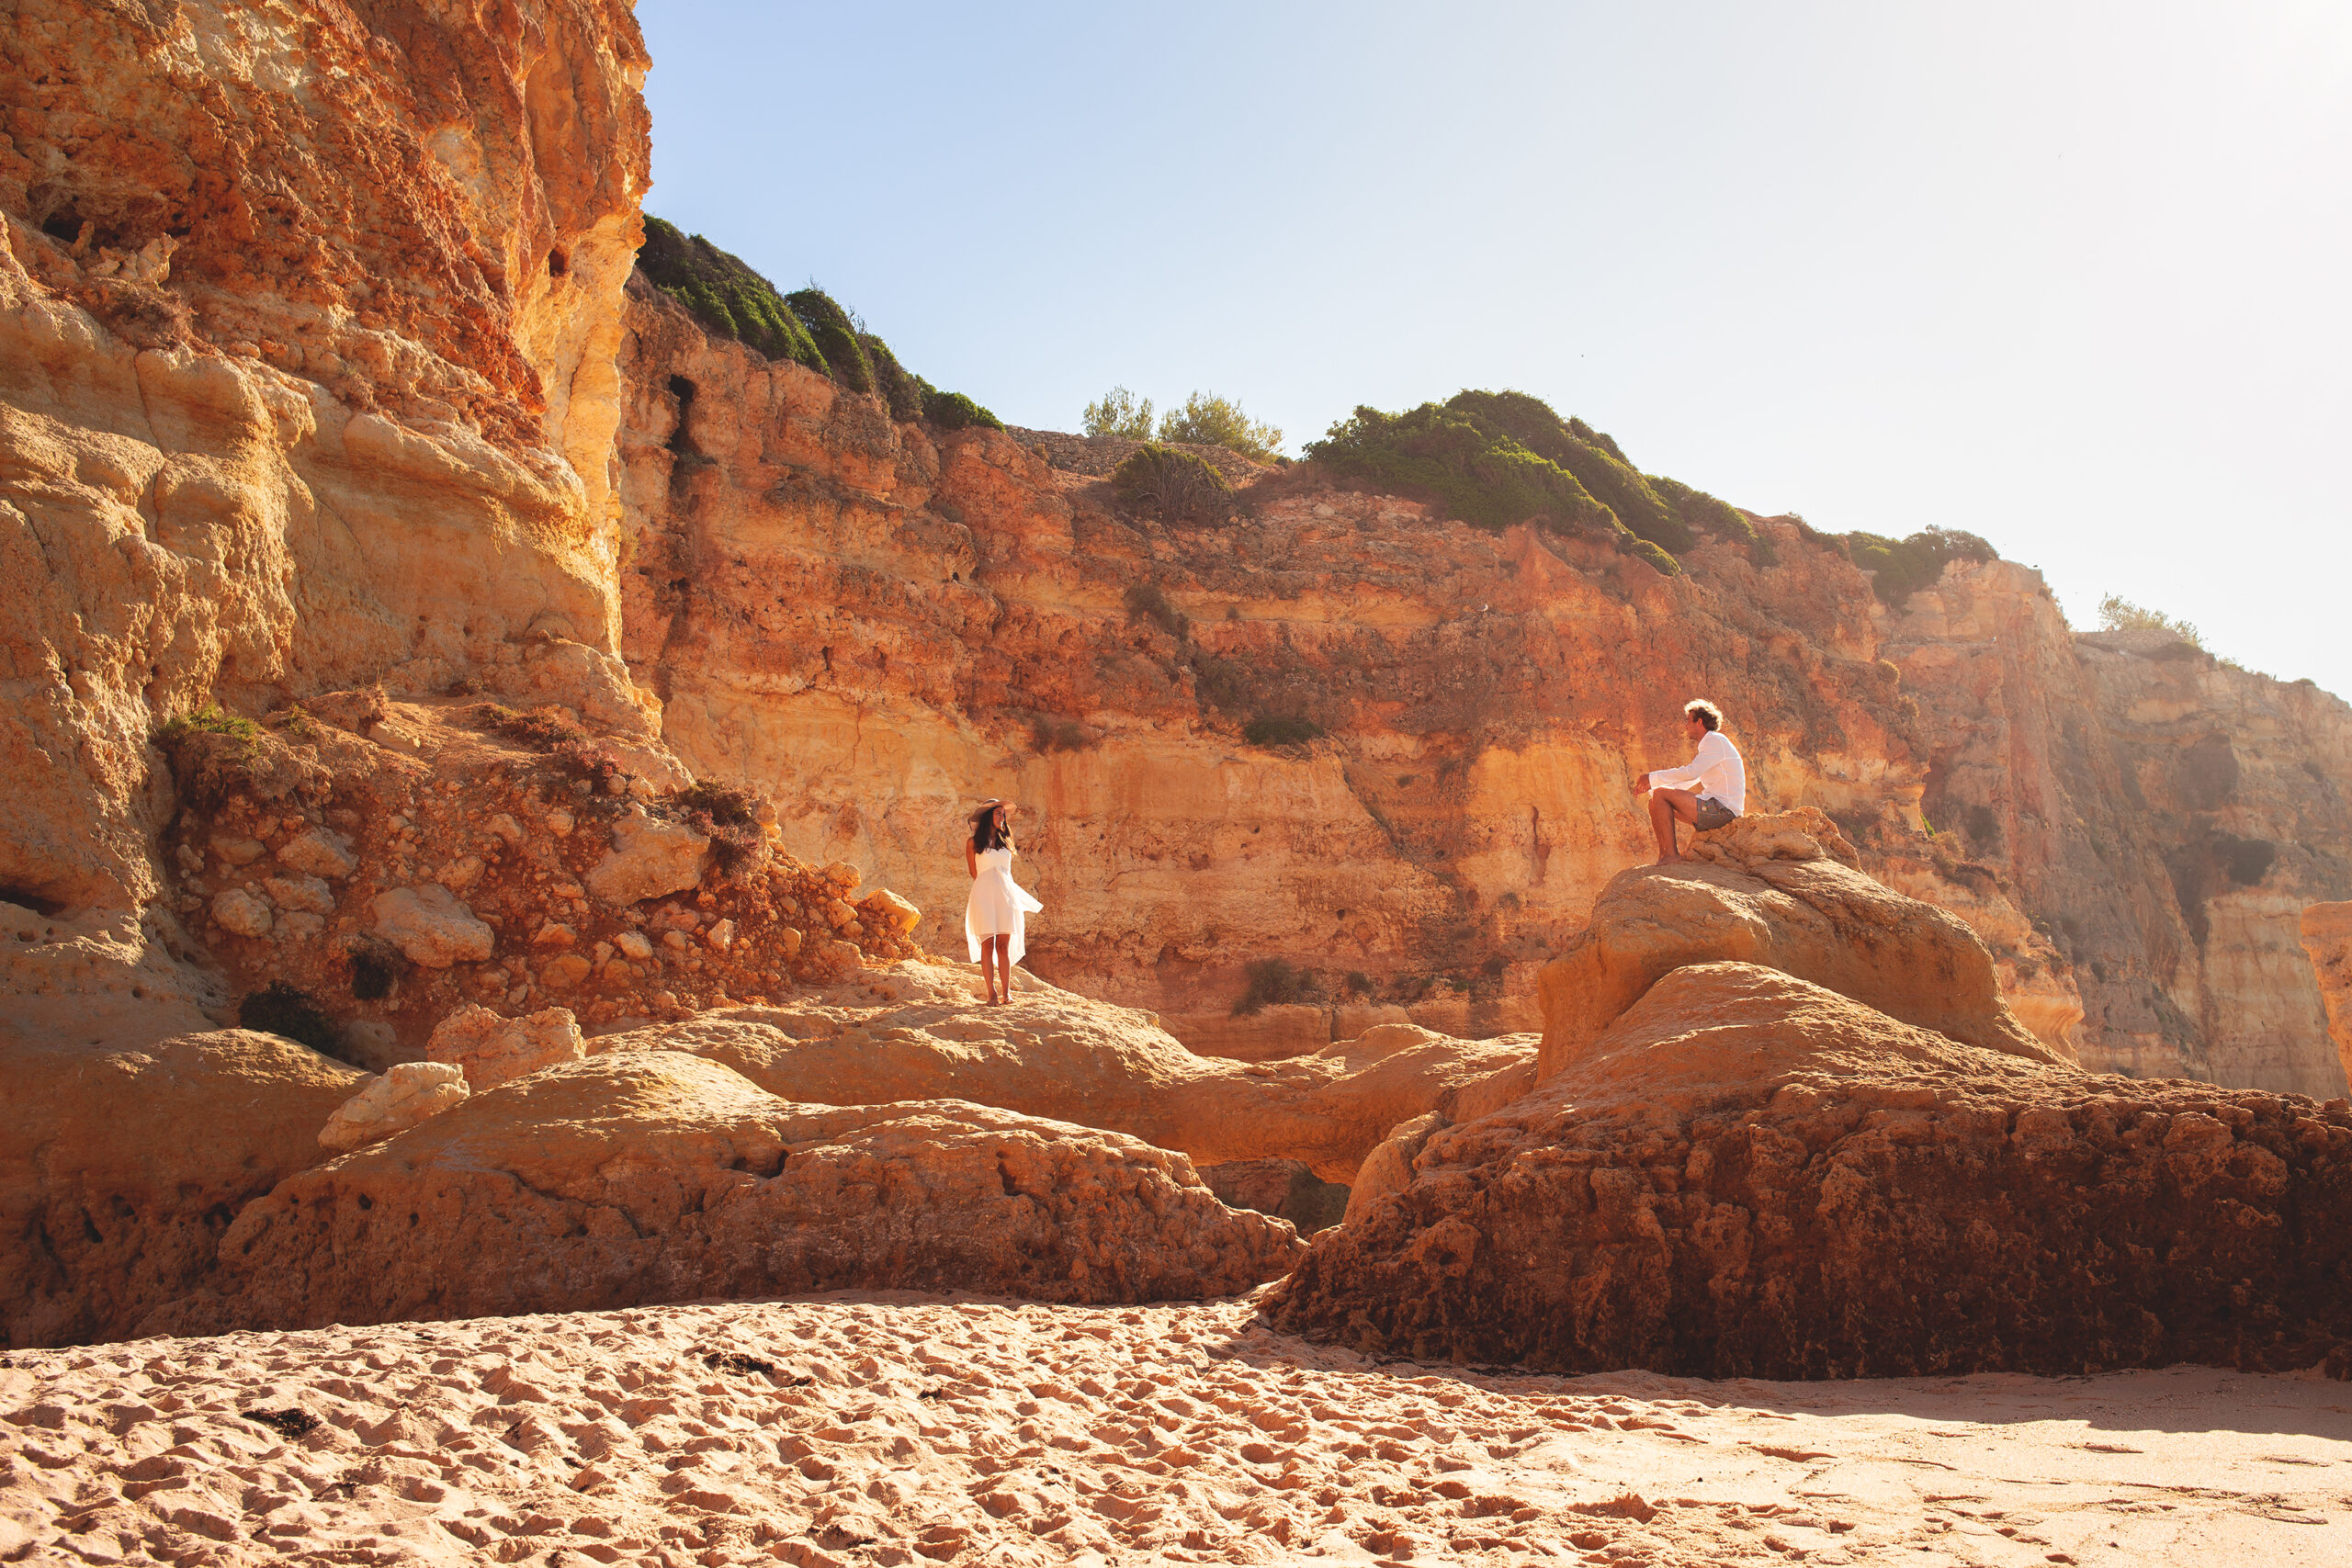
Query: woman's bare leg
[(1004, 949), (988, 963)]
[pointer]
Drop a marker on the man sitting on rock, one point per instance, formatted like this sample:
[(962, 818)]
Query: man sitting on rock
[(1708, 792)]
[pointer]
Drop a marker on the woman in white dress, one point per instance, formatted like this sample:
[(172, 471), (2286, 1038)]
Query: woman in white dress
[(994, 915)]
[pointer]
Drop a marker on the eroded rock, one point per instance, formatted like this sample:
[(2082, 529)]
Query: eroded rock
[(650, 857), (654, 1175), (118, 1168), (1748, 1174), (490, 1049), (432, 926), (408, 1093), (1774, 890)]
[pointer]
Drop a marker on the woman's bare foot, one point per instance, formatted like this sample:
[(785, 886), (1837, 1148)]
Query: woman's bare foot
[(1671, 860)]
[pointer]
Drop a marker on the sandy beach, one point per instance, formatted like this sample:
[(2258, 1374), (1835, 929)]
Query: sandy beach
[(894, 1428)]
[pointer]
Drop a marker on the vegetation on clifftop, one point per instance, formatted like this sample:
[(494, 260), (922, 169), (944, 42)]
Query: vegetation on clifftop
[(1902, 566), (1493, 459), (807, 326)]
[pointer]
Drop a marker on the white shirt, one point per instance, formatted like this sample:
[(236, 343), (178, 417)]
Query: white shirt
[(1715, 771)]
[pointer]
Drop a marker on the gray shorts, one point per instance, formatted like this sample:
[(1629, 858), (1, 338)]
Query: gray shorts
[(1713, 813)]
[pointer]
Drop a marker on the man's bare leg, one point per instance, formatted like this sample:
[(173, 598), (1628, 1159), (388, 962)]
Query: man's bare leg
[(1668, 807)]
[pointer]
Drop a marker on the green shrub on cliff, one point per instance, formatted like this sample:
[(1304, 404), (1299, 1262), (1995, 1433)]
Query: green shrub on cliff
[(1184, 488), (1209, 419), (1120, 413), (807, 326), (1902, 566), (725, 295), (1464, 463), (954, 411), (1596, 461)]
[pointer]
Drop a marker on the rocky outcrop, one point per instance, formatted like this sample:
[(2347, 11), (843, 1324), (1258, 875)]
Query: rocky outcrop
[(406, 1094), (488, 1049), (1781, 891), (120, 1169), (2326, 932), (2162, 815), (654, 1176), (301, 389), (1748, 1174), (1061, 1057), (468, 860)]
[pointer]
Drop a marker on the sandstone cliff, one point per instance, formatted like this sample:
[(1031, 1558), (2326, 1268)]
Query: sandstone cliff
[(307, 330), (880, 628)]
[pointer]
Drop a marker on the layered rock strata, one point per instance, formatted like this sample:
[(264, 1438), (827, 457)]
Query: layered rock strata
[(308, 318), (1748, 1174), (2326, 932), (879, 625), (2163, 817)]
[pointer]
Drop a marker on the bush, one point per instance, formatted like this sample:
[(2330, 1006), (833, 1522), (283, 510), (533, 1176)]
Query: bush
[(898, 386), (1596, 461), (1146, 601), (1274, 982), (1183, 488), (1703, 512), (1903, 567), (806, 326), (954, 411), (723, 804), (1208, 420), (836, 335), (213, 755), (283, 1010), (1120, 413), (725, 295), (2120, 615), (1465, 465), (1277, 729)]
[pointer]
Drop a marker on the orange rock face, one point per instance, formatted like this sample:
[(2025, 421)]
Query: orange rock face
[(1751, 1176), (652, 1175), (1778, 890), (120, 1169)]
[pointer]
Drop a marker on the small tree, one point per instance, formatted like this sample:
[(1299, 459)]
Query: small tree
[(1120, 413), (1208, 420), (2117, 613)]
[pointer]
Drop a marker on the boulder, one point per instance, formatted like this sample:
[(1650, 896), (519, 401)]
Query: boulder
[(408, 1093), (1751, 1176), (319, 853), (884, 910), (656, 1177), (119, 1170), (432, 926), (488, 1049), (1781, 891), (2327, 937), (1066, 1057), (241, 913), (650, 856), (301, 891)]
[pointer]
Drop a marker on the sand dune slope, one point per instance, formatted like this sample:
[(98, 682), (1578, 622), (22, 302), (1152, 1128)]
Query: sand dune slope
[(904, 1429)]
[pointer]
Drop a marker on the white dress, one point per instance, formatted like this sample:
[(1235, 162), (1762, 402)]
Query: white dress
[(997, 905)]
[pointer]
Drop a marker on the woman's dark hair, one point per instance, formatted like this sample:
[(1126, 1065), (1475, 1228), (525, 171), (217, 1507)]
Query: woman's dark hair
[(985, 835)]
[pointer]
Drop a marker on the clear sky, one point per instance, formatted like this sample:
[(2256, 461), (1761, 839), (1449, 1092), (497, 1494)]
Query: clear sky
[(2073, 276)]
